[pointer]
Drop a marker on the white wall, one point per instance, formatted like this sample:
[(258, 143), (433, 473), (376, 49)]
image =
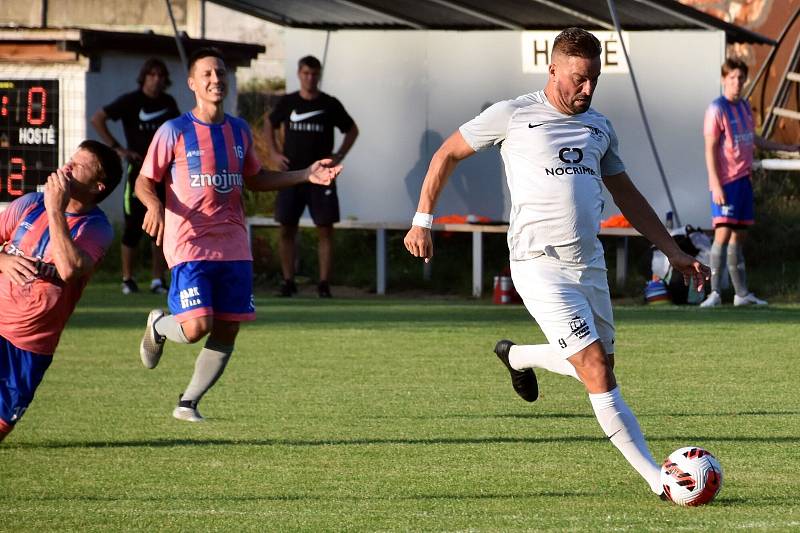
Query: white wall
[(409, 90)]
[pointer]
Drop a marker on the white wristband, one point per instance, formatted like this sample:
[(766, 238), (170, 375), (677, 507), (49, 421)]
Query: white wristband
[(423, 220)]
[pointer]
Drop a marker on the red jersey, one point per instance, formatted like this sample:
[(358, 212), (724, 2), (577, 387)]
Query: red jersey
[(204, 167), (33, 316)]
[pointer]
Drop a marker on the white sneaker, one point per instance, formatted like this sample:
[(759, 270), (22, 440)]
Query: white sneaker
[(187, 410), (187, 414), (152, 345), (713, 300), (157, 287), (749, 299)]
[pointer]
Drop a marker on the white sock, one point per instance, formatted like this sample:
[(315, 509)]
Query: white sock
[(168, 327), (522, 356), (622, 429), (208, 368)]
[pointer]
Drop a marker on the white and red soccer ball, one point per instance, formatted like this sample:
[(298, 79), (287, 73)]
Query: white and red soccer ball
[(691, 476)]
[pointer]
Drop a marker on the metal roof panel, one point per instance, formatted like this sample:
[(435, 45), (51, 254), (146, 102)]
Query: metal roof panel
[(634, 15)]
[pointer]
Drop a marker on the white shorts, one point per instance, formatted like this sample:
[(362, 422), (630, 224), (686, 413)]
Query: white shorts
[(569, 301)]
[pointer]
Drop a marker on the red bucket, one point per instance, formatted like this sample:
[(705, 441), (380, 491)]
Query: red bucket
[(504, 292)]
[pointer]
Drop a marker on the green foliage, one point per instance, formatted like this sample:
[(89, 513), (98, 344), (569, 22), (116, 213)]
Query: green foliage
[(256, 97), (387, 415), (772, 249)]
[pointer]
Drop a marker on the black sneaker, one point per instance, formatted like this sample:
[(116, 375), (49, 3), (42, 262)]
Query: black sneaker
[(129, 286), (288, 288), (523, 381), (324, 290)]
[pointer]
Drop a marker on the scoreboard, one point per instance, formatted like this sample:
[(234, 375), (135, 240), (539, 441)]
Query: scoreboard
[(29, 135)]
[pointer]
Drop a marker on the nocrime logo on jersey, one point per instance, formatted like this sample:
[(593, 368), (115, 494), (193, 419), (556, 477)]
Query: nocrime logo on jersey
[(571, 155)]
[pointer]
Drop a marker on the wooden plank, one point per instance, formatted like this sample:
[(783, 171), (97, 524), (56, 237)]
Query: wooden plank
[(788, 113), (44, 52)]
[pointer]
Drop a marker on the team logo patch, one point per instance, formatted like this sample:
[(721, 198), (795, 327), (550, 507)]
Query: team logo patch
[(579, 327), (595, 133)]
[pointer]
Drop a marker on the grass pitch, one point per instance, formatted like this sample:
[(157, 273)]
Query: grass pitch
[(386, 415)]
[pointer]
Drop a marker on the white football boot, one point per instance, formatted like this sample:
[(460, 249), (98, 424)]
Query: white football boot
[(713, 300), (152, 345), (748, 299)]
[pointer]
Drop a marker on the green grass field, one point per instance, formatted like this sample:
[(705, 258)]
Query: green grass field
[(394, 415)]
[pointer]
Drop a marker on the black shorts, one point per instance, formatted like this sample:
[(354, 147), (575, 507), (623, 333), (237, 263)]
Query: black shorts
[(322, 202), (133, 209)]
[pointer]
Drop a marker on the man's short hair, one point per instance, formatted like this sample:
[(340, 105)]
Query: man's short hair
[(110, 166), (731, 64), (150, 65), (310, 62), (200, 53), (577, 42)]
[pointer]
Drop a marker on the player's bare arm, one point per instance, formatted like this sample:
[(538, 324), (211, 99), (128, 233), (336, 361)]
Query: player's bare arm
[(153, 223), (347, 143), (418, 239), (321, 172), (71, 262), (100, 122), (276, 157), (714, 185), (641, 215)]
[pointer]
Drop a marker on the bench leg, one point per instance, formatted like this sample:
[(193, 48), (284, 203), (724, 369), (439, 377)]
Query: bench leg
[(622, 261), (380, 261), (477, 264)]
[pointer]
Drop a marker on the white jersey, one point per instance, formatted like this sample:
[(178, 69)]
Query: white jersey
[(554, 166)]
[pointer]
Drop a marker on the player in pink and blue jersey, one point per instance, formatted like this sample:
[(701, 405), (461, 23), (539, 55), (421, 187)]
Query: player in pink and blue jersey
[(51, 243), (206, 158), (730, 141)]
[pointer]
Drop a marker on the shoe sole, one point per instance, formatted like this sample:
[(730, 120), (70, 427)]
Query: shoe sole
[(524, 382), (750, 304), (150, 361)]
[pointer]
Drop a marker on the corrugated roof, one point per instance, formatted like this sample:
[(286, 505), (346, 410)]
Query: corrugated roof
[(634, 15), (89, 41)]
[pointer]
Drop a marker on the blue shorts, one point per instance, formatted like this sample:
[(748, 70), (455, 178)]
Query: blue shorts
[(738, 208), (222, 289), (21, 372)]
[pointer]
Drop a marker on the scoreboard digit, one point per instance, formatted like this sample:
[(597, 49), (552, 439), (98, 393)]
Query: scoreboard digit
[(29, 134)]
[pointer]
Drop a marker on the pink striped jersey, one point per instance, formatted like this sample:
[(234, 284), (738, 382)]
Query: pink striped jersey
[(732, 124), (204, 166), (34, 315)]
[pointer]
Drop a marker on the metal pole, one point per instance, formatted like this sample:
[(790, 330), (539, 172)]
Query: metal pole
[(612, 8), (178, 42), (324, 55), (202, 19)]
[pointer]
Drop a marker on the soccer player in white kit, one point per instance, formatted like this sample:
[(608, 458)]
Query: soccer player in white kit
[(558, 153)]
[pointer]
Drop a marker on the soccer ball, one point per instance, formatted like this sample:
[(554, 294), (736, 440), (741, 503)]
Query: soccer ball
[(691, 476)]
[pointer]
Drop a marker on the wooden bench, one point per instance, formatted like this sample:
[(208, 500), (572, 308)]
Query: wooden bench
[(477, 230)]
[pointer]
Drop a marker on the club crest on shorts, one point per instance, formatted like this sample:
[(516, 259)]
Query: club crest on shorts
[(578, 327)]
